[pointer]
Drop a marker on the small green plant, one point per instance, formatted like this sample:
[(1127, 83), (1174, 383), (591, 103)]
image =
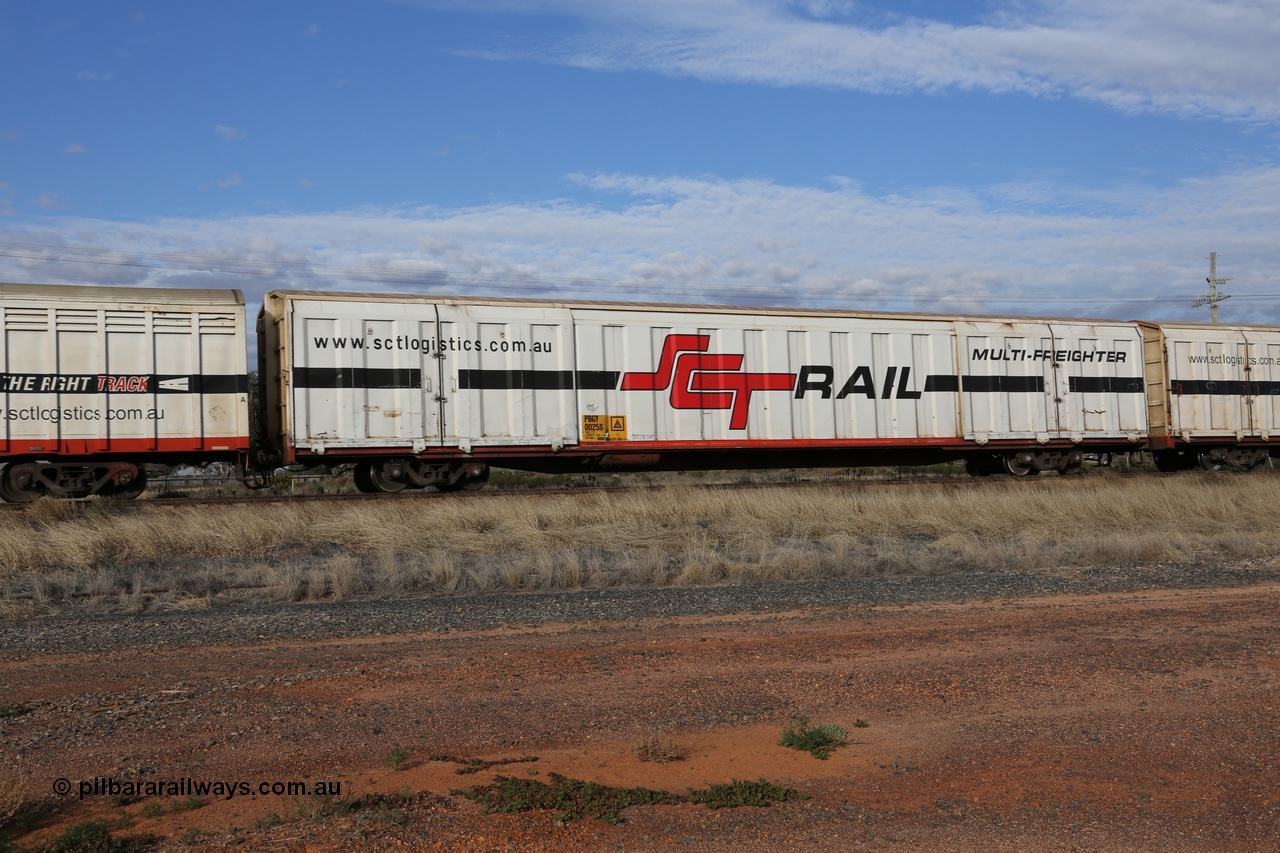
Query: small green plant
[(817, 739), (316, 807), (151, 809), (268, 821), (395, 758), (190, 804), (7, 711), (741, 793), (94, 836), (475, 765), (860, 723), (574, 798)]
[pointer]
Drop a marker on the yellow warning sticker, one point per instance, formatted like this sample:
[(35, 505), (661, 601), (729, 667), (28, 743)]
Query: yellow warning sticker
[(604, 427)]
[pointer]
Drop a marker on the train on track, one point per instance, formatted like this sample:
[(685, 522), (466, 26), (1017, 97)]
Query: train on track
[(97, 383)]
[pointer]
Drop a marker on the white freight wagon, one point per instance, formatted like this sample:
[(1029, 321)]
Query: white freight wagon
[(95, 381), (424, 390), (1213, 392)]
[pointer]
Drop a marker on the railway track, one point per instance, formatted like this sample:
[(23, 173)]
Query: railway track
[(260, 499)]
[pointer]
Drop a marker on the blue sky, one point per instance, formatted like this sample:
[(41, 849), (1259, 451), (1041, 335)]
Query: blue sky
[(1076, 157)]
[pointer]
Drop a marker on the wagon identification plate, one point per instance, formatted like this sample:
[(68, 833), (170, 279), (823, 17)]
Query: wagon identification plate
[(604, 427)]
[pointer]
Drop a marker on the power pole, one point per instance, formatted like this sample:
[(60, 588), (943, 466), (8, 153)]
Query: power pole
[(1213, 298)]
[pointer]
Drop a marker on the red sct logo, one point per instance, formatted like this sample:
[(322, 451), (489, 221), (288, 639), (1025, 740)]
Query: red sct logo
[(702, 381)]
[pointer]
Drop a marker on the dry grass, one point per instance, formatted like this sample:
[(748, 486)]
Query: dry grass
[(13, 788), (661, 749), (136, 556)]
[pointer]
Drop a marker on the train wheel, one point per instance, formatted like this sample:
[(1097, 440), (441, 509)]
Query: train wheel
[(131, 491), (1019, 465), (386, 477), (1209, 462), (476, 482), (1169, 461), (18, 486)]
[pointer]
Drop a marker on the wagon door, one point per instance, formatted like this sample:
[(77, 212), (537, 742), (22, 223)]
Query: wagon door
[(1207, 379), (1264, 381), (508, 375), (363, 376), (1008, 380), (1098, 381)]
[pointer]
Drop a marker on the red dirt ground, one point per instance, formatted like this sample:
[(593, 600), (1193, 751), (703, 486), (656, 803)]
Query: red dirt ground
[(1135, 721)]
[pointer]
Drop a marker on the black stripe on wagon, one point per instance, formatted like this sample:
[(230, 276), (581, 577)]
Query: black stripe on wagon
[(1223, 388), (946, 382), (357, 377), (1008, 384), (533, 380), (1107, 384), (537, 380), (598, 380), (204, 384), (123, 383)]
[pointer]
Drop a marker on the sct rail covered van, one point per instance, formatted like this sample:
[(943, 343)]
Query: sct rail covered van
[(431, 391)]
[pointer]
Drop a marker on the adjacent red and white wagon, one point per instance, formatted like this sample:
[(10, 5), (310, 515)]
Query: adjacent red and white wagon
[(97, 381)]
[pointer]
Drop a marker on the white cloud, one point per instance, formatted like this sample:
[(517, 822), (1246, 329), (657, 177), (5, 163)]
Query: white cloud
[(74, 148), (235, 180), (1185, 57), (49, 201), (227, 132), (1124, 252), (99, 76), (306, 183)]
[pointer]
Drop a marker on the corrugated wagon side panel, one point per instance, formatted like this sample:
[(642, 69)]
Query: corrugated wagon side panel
[(362, 374), (741, 380), (126, 371), (1264, 355), (1042, 381), (1207, 377), (29, 351), (509, 375), (1007, 389), (1100, 382)]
